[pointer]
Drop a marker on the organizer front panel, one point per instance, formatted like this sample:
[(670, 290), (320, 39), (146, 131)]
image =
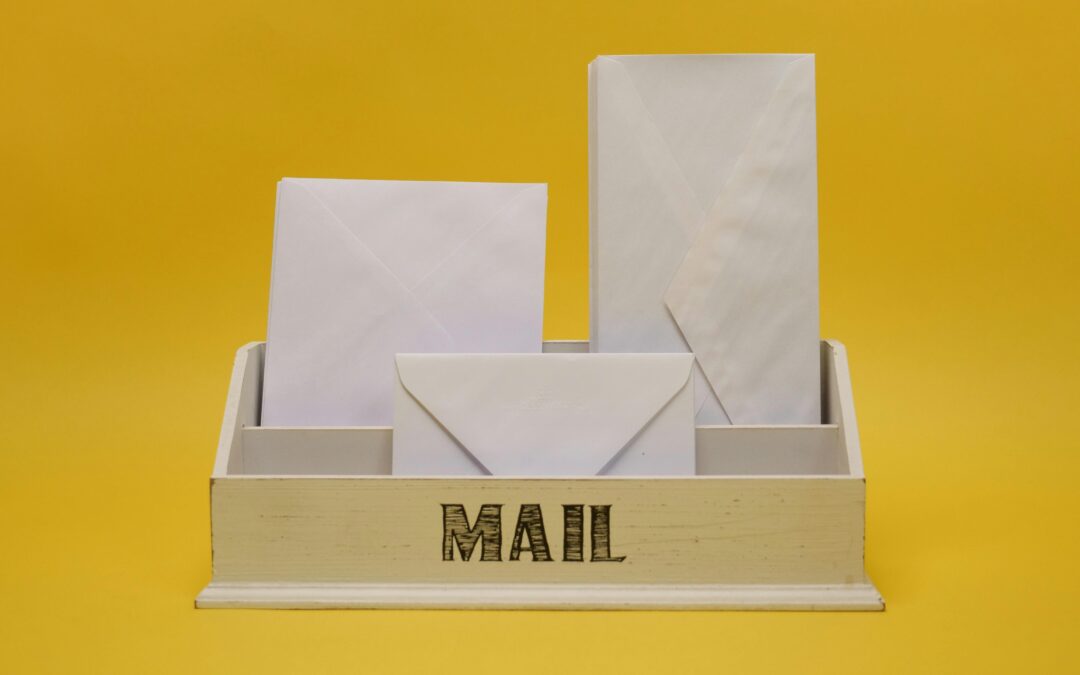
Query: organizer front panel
[(706, 531)]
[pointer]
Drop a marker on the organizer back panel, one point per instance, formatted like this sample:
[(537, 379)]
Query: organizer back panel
[(721, 451), (820, 450)]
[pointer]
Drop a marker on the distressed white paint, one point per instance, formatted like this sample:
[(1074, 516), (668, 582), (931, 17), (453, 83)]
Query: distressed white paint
[(309, 517)]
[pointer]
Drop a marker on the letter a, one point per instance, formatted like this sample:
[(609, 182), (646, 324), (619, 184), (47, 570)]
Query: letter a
[(530, 523)]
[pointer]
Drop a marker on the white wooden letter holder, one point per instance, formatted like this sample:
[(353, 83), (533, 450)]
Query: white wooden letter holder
[(311, 517)]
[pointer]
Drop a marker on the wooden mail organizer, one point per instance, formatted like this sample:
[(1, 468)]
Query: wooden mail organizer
[(311, 517)]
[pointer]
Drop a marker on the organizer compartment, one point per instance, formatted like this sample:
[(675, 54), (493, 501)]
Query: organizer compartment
[(310, 517)]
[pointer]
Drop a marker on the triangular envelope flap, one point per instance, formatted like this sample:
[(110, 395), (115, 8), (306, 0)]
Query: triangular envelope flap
[(347, 275), (492, 285), (745, 297), (316, 304), (705, 106), (533, 414), (434, 218)]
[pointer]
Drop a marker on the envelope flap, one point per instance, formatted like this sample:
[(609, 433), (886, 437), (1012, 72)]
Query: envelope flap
[(322, 274), (703, 106), (526, 414), (746, 295), (436, 218)]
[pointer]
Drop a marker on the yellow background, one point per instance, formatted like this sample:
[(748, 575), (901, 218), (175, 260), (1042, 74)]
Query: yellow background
[(140, 143)]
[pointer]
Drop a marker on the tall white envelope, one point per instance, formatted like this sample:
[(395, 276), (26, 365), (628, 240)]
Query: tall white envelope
[(544, 415), (364, 269), (703, 214)]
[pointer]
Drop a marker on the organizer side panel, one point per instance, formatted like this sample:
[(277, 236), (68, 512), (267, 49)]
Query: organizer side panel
[(241, 408), (839, 404), (648, 531)]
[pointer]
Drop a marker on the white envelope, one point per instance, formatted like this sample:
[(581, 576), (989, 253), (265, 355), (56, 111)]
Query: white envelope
[(365, 269), (544, 415), (703, 213)]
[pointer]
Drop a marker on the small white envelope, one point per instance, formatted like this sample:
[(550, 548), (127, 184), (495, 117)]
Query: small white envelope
[(544, 415), (364, 269), (703, 213)]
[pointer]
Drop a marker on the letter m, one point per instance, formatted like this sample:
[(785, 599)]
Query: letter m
[(487, 529)]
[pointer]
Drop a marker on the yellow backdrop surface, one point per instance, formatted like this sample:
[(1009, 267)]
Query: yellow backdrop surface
[(140, 143)]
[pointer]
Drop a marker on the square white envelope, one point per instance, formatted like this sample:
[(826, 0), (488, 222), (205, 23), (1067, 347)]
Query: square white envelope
[(544, 415), (703, 225), (364, 269)]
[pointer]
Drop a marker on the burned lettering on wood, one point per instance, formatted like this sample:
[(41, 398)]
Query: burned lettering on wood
[(531, 524), (573, 533), (530, 535), (488, 530), (601, 534)]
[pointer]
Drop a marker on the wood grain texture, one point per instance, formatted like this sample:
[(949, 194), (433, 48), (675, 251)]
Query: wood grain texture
[(309, 517), (696, 531)]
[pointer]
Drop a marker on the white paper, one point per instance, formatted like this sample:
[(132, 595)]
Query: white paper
[(687, 179), (364, 269), (544, 415)]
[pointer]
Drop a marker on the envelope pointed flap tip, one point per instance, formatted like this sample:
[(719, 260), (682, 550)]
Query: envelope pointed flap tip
[(534, 414)]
